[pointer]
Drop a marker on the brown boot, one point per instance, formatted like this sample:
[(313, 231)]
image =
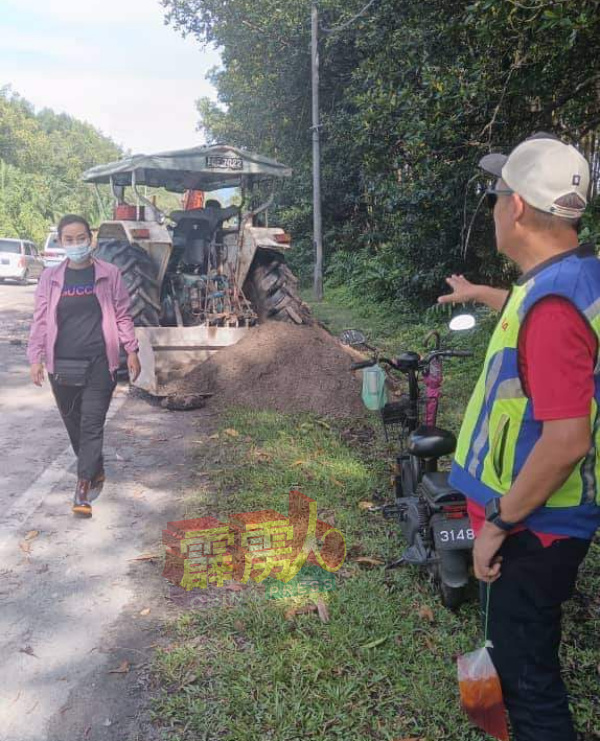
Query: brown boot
[(96, 485), (81, 503)]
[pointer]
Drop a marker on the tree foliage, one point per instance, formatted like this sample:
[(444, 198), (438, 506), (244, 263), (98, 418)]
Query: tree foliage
[(42, 157), (413, 93)]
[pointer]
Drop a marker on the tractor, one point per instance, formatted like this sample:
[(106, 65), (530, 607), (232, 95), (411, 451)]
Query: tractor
[(201, 277)]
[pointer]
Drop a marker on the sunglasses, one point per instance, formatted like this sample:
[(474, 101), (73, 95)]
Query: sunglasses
[(491, 196)]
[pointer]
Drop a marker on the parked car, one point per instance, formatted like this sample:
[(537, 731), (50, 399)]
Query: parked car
[(53, 253), (19, 260)]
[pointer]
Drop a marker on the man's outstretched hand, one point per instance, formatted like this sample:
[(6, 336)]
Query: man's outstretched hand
[(463, 291)]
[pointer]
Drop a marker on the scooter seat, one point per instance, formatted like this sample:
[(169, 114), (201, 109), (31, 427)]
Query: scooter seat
[(438, 489), (431, 442)]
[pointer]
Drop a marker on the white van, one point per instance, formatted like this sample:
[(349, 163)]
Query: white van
[(19, 260), (53, 253)]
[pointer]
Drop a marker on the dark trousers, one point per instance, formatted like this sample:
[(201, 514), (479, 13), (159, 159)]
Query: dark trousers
[(83, 410), (525, 628)]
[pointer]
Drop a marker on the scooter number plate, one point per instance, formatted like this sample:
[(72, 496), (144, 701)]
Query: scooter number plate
[(453, 534)]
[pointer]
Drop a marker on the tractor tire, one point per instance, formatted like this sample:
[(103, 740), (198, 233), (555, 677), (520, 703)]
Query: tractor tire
[(139, 275), (272, 289)]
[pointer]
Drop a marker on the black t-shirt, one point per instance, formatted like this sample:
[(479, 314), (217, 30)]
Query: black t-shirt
[(79, 317)]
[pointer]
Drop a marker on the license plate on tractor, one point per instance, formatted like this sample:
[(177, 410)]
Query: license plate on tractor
[(453, 535)]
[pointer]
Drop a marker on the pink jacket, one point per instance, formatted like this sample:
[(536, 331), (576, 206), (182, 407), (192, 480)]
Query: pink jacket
[(113, 297)]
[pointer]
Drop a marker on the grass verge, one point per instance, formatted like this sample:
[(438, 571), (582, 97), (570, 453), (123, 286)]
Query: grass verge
[(382, 667)]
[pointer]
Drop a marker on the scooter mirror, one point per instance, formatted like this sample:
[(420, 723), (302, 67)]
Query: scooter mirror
[(352, 337), (462, 322)]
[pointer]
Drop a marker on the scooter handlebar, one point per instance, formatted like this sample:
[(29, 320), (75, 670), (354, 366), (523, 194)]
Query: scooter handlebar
[(363, 364), (447, 354), (424, 362), (459, 354)]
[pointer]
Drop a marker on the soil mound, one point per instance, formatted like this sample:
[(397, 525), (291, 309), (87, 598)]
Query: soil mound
[(283, 367)]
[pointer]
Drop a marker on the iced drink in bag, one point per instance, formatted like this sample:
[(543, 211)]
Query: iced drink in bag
[(481, 693)]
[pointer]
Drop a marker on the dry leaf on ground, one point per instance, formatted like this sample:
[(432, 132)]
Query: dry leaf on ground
[(426, 613), (123, 668), (231, 432), (322, 610), (365, 505), (293, 611), (32, 534), (145, 612), (368, 561)]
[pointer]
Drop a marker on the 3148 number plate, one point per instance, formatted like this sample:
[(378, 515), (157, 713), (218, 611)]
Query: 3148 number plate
[(453, 534)]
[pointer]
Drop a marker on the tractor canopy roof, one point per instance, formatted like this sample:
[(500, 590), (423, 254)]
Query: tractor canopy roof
[(199, 168)]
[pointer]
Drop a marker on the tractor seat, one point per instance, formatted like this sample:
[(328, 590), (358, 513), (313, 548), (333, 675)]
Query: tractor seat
[(439, 490), (431, 442)]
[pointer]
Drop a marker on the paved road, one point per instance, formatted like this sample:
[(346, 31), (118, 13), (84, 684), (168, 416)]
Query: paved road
[(67, 586), (30, 438)]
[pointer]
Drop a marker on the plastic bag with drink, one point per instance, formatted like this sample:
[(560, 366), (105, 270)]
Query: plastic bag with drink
[(480, 689), (481, 693)]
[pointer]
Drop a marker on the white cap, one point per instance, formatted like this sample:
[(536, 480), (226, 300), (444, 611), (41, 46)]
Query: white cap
[(542, 170)]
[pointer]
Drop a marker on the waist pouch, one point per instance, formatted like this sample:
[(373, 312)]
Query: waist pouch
[(72, 372)]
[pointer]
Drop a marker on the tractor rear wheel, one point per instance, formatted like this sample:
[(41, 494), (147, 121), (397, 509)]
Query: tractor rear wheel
[(272, 289), (139, 275)]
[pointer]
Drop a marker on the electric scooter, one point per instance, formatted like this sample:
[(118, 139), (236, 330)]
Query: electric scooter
[(432, 514)]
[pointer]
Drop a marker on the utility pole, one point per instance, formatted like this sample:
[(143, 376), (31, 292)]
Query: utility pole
[(316, 137)]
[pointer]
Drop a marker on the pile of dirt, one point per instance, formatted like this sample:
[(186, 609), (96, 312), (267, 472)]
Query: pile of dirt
[(279, 366)]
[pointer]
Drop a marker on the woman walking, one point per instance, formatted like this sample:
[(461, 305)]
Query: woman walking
[(81, 317)]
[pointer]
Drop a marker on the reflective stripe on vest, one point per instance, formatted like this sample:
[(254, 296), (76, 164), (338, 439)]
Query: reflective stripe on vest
[(499, 430)]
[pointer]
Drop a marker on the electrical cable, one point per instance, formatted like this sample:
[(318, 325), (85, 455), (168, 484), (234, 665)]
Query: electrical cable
[(342, 26)]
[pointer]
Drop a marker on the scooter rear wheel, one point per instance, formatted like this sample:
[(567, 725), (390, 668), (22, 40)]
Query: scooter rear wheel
[(452, 597)]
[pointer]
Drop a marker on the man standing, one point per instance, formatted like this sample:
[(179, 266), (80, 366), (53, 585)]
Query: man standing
[(528, 455)]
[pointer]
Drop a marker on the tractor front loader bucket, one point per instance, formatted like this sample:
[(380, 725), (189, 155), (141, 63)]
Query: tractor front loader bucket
[(169, 353)]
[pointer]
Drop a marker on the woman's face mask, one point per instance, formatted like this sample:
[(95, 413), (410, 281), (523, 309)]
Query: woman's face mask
[(78, 252)]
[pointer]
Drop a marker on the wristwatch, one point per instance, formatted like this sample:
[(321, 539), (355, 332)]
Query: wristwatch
[(492, 514)]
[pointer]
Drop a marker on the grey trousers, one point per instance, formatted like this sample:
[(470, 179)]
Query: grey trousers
[(83, 410)]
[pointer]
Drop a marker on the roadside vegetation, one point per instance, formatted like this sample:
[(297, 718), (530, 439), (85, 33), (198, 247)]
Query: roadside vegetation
[(378, 663), (42, 157), (413, 94)]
